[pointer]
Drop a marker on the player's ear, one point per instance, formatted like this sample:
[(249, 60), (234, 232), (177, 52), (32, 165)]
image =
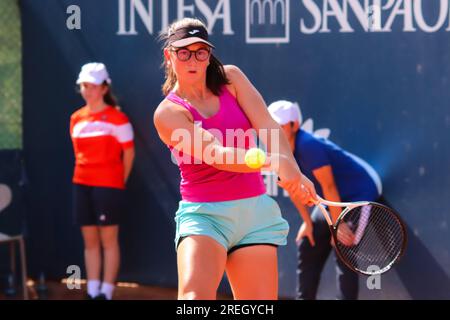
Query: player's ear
[(167, 56)]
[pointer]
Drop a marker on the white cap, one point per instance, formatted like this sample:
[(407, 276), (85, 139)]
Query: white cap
[(93, 72), (283, 111)]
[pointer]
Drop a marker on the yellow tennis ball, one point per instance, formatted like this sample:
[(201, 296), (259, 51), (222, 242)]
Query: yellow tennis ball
[(255, 158)]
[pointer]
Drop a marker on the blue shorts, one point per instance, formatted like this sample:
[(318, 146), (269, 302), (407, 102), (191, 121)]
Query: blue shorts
[(233, 224)]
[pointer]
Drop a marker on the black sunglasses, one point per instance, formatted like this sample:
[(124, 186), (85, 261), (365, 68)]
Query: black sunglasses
[(184, 54)]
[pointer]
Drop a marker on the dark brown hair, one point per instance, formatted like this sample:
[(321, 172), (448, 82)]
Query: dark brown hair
[(215, 73)]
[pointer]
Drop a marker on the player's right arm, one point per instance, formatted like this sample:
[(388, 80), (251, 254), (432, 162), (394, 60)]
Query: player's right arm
[(175, 127)]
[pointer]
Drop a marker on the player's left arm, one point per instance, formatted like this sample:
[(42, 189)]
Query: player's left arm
[(324, 175), (255, 108)]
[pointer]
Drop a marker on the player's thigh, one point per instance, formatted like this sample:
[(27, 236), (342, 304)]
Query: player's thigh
[(201, 263), (253, 272)]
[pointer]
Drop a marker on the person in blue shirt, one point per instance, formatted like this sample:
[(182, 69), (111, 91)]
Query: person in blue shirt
[(338, 176)]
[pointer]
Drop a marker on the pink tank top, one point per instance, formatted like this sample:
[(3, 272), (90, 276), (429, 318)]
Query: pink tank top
[(201, 182)]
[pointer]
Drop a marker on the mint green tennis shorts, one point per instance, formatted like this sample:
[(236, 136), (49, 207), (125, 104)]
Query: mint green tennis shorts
[(233, 224)]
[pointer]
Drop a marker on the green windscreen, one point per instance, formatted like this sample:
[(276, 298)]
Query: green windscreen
[(10, 76)]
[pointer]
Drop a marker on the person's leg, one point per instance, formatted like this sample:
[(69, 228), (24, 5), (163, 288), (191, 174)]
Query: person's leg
[(311, 260), (201, 263), (108, 203), (111, 258), (92, 257), (85, 217), (253, 272), (346, 280)]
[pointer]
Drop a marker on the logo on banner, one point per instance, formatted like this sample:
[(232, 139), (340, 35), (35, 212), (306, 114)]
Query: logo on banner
[(267, 21)]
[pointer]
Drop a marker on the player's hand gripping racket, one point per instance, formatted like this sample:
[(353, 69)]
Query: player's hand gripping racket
[(369, 237)]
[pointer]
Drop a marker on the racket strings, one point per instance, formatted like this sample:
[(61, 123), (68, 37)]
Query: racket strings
[(378, 238), (377, 249)]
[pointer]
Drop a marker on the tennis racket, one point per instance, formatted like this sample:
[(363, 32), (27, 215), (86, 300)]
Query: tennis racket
[(369, 237)]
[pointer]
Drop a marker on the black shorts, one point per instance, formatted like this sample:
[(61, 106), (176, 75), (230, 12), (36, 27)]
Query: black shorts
[(97, 206)]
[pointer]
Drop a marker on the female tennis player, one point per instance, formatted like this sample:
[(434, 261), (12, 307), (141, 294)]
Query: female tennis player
[(225, 220)]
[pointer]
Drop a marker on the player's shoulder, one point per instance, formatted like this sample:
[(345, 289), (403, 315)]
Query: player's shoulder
[(233, 72), (167, 110), (231, 68), (236, 77), (164, 109)]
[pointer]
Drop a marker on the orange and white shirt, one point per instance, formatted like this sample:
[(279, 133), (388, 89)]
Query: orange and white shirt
[(98, 142)]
